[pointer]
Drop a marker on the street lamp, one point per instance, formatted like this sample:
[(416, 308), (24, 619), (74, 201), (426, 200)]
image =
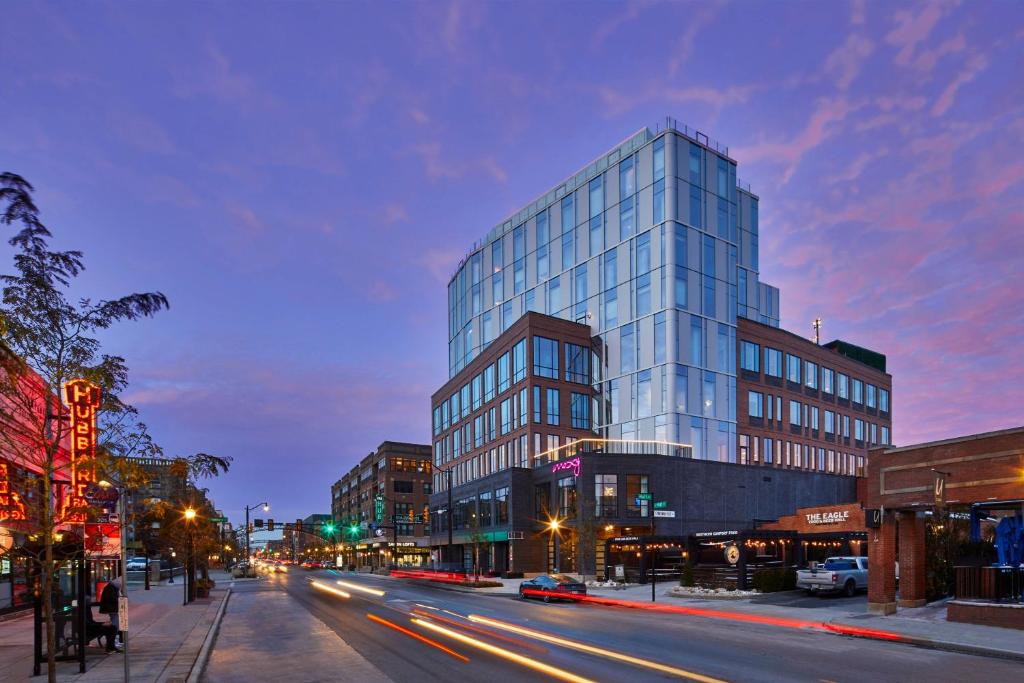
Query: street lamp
[(124, 570), (190, 577), (248, 509), (554, 525)]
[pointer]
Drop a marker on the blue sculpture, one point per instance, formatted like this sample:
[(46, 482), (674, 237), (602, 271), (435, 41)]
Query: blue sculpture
[(1010, 540)]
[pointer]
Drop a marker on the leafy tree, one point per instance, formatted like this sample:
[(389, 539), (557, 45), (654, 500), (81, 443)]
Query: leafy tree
[(49, 339)]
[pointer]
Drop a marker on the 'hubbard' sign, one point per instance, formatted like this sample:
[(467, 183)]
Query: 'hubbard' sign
[(828, 517)]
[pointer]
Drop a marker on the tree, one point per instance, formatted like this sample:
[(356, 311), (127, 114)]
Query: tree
[(48, 340)]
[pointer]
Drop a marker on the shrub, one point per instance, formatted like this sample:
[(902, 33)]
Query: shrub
[(686, 576), (774, 580)]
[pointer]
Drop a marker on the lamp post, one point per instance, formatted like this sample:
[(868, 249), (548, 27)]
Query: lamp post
[(190, 578), (248, 509), (553, 526), (124, 572)]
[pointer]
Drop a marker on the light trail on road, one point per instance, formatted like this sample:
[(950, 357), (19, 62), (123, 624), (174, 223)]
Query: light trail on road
[(552, 671), (484, 632), (357, 587), (601, 652), (330, 589), (417, 636)]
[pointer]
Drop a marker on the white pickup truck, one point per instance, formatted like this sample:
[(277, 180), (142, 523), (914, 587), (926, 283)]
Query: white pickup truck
[(837, 574)]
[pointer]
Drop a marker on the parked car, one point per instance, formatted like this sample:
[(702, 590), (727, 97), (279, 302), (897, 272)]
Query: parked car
[(838, 574), (137, 564), (551, 587)]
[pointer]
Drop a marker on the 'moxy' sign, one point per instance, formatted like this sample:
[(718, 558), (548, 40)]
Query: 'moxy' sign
[(828, 517), (573, 464)]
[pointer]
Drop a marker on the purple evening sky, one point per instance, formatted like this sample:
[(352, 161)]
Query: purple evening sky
[(301, 179)]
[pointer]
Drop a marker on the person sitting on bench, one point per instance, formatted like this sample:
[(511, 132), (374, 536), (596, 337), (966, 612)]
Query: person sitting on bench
[(96, 629)]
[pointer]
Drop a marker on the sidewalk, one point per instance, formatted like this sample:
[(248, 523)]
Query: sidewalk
[(164, 639)]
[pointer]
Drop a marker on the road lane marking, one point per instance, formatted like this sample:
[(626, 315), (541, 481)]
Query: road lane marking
[(552, 671), (583, 647), (417, 636)]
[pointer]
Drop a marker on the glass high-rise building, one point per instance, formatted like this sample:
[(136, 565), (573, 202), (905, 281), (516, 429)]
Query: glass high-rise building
[(655, 246)]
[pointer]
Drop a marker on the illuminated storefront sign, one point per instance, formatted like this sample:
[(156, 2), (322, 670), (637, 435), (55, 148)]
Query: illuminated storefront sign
[(83, 397), (711, 534), (836, 517), (11, 507), (571, 464)]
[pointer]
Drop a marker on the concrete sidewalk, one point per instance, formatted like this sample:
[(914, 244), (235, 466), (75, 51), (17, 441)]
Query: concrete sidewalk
[(164, 639)]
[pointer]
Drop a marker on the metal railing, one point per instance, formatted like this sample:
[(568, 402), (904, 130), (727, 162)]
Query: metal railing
[(998, 584)]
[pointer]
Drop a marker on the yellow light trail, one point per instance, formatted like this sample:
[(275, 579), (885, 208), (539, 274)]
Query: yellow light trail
[(329, 589), (552, 671), (357, 587), (601, 652), (417, 636)]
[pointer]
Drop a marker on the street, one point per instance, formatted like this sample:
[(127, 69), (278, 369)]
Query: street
[(287, 625)]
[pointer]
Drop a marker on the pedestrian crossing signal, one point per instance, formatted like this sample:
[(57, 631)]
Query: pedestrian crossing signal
[(258, 523)]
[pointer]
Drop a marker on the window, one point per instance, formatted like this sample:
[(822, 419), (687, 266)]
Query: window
[(580, 291), (606, 495), (658, 199), (749, 355), (501, 505), (577, 363), (811, 374), (545, 357), (885, 435), (627, 349), (610, 269), (858, 432), (643, 294), (744, 449), (659, 336), (830, 422), (611, 309), (553, 298), (814, 418), (696, 208), (858, 391), (519, 361), (870, 402), (772, 362), (643, 253), (883, 402), (522, 407), (643, 393), (400, 486), (542, 245), (437, 421), (827, 381), (626, 224), (552, 406), (596, 235), (635, 485), (503, 373), (874, 434), (464, 400), (846, 426), (542, 501), (769, 451), (506, 416), (536, 404), (755, 402), (658, 159), (486, 514), (794, 413), (627, 178), (681, 388), (567, 497), (579, 409), (792, 368), (489, 383), (843, 386), (478, 431)]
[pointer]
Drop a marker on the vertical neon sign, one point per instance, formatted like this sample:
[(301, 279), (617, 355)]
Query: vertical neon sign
[(83, 397), (11, 507)]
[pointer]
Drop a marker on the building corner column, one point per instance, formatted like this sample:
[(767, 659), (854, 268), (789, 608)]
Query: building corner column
[(882, 567), (912, 560)]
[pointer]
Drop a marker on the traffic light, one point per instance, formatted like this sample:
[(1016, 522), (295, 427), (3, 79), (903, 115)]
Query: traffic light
[(328, 528), (353, 530), (270, 525), (258, 523)]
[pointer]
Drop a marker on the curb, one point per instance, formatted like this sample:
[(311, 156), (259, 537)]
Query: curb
[(942, 645), (204, 651)]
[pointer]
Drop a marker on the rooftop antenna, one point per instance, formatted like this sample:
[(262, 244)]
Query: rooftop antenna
[(817, 331)]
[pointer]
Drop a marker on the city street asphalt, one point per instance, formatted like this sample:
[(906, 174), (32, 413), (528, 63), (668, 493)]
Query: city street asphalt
[(445, 635)]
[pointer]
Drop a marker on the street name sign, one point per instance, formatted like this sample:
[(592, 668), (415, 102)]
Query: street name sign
[(665, 513)]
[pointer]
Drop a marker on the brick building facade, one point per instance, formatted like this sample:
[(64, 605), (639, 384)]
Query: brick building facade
[(805, 406)]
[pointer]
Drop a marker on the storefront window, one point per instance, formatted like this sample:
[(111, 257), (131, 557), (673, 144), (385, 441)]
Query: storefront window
[(501, 505), (606, 493), (486, 514), (635, 485), (567, 497)]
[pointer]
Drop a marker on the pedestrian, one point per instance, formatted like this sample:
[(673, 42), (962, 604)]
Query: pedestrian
[(108, 605)]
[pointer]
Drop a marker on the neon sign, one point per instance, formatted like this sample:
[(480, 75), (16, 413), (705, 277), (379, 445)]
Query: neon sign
[(11, 507), (83, 397), (572, 464)]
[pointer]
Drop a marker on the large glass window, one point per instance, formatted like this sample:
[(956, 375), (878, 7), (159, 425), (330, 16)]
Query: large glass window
[(681, 388), (553, 301), (660, 332), (696, 207), (501, 505), (749, 355), (794, 413), (643, 253), (858, 391), (464, 400), (611, 309), (635, 485), (496, 261), (503, 373), (536, 404), (830, 422), (658, 162), (643, 393), (870, 396), (858, 430), (811, 374), (606, 495), (643, 294), (489, 383), (567, 497), (828, 380), (627, 178), (627, 349), (626, 223), (611, 275), (772, 362), (792, 368), (580, 411), (519, 361), (506, 416), (486, 510), (755, 401), (577, 363), (545, 357), (580, 291), (552, 406), (842, 386), (883, 402)]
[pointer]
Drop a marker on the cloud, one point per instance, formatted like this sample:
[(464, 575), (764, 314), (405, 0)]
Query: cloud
[(144, 133), (380, 291), (440, 263), (856, 167), (695, 23), (846, 61), (927, 59), (439, 165), (975, 65), (912, 29)]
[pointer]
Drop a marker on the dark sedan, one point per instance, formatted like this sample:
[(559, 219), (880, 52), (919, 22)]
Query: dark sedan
[(550, 587)]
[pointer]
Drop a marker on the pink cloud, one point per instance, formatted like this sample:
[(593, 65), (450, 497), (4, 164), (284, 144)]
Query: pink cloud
[(847, 60), (975, 65), (912, 29)]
